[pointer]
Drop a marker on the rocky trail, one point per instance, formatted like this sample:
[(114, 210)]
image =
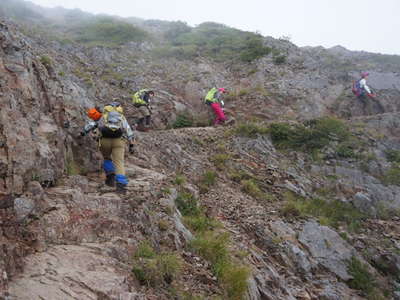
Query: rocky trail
[(83, 237)]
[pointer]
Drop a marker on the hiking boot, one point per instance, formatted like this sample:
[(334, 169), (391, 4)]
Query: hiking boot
[(110, 180), (121, 189)]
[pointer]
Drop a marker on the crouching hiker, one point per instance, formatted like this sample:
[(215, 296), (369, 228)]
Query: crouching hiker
[(114, 131), (141, 100), (214, 99)]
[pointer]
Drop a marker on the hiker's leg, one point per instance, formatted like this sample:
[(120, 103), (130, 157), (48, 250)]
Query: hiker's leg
[(219, 113), (106, 150), (118, 153), (148, 118), (145, 112), (140, 121)]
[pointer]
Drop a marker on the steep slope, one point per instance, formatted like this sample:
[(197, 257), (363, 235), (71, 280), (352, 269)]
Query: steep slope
[(177, 59), (290, 257), (261, 210)]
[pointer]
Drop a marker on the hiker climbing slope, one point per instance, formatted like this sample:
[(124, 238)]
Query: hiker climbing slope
[(214, 99), (114, 131), (360, 88), (141, 100), (362, 91)]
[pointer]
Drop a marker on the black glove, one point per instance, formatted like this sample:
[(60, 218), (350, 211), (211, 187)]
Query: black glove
[(83, 133), (131, 148)]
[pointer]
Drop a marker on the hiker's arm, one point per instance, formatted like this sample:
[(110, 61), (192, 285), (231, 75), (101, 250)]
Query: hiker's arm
[(89, 127), (366, 87), (220, 99), (129, 135), (363, 84), (128, 130)]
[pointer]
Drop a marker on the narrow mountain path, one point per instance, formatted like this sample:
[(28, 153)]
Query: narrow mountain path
[(87, 234)]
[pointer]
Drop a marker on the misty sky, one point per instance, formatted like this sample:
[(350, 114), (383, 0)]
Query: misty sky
[(370, 25)]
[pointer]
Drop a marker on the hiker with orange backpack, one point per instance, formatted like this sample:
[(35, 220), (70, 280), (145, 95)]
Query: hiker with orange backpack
[(114, 131), (214, 99)]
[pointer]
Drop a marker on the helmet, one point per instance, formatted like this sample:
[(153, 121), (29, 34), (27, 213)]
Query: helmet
[(364, 74), (94, 114), (222, 90)]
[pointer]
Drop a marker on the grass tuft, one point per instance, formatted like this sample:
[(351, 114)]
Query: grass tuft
[(187, 204), (330, 213), (250, 129), (180, 180), (220, 160), (213, 247), (154, 269), (362, 279), (145, 250), (207, 180)]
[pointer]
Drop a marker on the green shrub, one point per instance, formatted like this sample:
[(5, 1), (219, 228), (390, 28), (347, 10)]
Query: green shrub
[(345, 151), (281, 133), (254, 49), (215, 41), (181, 52), (314, 134), (145, 250), (166, 191), (200, 223), (332, 213), (187, 204), (207, 180), (180, 179), (243, 92), (46, 60), (220, 160), (362, 279), (176, 29), (163, 225), (250, 129), (182, 120), (169, 264), (107, 32), (392, 176), (160, 269), (279, 59), (239, 175), (250, 187), (291, 209), (393, 155), (234, 279), (140, 274), (214, 248)]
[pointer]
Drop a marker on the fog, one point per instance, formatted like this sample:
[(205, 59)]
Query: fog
[(367, 25)]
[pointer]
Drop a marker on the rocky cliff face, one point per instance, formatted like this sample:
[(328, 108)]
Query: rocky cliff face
[(211, 213)]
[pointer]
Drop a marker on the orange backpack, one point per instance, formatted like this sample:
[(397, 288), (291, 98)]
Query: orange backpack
[(94, 114)]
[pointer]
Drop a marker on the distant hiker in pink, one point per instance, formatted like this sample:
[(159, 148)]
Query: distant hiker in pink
[(214, 99), (360, 87)]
